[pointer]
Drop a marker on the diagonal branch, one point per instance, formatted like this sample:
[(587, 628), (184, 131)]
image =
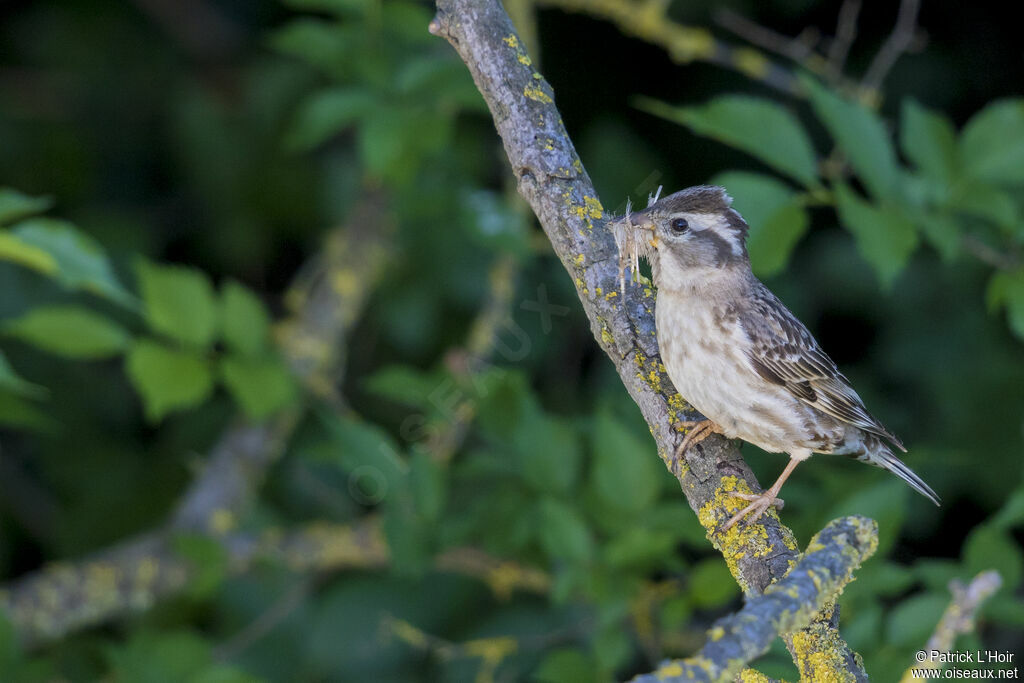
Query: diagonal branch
[(552, 179), (56, 600), (827, 566)]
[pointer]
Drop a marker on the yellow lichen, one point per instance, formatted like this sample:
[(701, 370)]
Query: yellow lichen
[(692, 43), (524, 59), (753, 676), (511, 40), (817, 651), (536, 94), (751, 62), (672, 669), (221, 521)]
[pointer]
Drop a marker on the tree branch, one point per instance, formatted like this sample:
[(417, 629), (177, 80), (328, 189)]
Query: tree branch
[(957, 619), (552, 179), (898, 42), (818, 577), (325, 302), (647, 19)]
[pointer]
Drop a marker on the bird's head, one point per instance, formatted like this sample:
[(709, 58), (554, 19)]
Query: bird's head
[(690, 234)]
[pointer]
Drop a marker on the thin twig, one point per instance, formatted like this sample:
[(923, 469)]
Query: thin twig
[(267, 620), (846, 32), (797, 49), (898, 42), (957, 619), (989, 255)]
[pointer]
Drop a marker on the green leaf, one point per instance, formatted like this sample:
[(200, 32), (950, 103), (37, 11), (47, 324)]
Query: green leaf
[(861, 136), (209, 561), (625, 474), (406, 385), (384, 140), (14, 205), (169, 657), (261, 386), (168, 380), (70, 331), (565, 665), (549, 451), (928, 139), (1012, 512), (612, 647), (989, 547), (1006, 288), (711, 584), (564, 534), (10, 651), (81, 262), (17, 251), (988, 203), (441, 79), (327, 113), (319, 42), (18, 413), (179, 302), (368, 453), (992, 143), (639, 547), (912, 621), (13, 382), (760, 127), (245, 324), (775, 214), (942, 231), (428, 486), (885, 237)]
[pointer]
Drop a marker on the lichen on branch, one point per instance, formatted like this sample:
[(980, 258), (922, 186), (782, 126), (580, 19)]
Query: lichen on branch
[(552, 179)]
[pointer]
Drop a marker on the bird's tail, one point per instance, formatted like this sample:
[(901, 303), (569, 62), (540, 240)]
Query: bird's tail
[(878, 454)]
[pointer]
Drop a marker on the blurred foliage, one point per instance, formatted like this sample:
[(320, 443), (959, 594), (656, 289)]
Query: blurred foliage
[(172, 178)]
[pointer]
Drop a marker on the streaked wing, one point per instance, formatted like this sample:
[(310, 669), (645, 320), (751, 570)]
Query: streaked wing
[(783, 352)]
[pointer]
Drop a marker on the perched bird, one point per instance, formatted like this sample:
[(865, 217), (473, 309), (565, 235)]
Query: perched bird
[(737, 354)]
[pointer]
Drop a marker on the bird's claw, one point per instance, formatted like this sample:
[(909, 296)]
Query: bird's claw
[(759, 505), (699, 430)]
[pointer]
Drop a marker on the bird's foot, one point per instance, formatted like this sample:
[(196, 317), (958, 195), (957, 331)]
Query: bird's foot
[(699, 430), (761, 503)]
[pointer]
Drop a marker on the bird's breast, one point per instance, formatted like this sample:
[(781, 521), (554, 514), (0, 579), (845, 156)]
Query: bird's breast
[(704, 348)]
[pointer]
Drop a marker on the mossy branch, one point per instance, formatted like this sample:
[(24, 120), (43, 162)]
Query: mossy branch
[(791, 604), (324, 304), (552, 179), (65, 597)]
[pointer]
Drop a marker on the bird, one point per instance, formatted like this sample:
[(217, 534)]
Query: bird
[(736, 353)]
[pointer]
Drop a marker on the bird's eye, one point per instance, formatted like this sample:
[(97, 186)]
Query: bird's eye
[(679, 225)]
